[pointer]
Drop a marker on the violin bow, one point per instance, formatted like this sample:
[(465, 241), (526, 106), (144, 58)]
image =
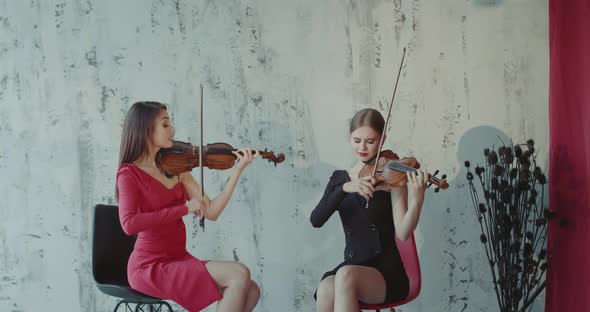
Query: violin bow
[(387, 119), (202, 220)]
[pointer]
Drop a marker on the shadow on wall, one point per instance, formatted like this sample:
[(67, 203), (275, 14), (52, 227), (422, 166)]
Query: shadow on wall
[(473, 142)]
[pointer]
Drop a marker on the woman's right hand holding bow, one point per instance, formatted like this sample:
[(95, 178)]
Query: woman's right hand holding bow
[(365, 186)]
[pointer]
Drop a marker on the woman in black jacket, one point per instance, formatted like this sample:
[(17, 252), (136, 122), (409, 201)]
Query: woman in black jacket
[(372, 271)]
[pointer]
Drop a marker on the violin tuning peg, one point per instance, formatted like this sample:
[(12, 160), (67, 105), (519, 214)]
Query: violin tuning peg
[(437, 189), (429, 184), (435, 173), (444, 176)]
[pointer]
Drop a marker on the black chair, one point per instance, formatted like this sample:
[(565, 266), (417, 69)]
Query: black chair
[(111, 249)]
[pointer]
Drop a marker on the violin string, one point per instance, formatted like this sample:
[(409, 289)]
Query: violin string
[(400, 167), (221, 150), (405, 168)]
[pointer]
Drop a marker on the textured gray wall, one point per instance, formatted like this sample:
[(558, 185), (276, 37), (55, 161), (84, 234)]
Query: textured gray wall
[(287, 75)]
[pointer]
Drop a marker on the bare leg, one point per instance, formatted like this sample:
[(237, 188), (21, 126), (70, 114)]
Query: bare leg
[(252, 297), (325, 295), (355, 283), (233, 278)]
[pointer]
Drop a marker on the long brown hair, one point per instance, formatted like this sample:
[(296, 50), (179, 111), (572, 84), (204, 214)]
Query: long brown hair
[(138, 129), (368, 117)]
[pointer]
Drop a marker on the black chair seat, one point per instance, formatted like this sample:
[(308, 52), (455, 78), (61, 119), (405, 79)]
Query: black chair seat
[(127, 293)]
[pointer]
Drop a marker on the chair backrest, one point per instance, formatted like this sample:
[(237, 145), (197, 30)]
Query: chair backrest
[(111, 247), (409, 255)]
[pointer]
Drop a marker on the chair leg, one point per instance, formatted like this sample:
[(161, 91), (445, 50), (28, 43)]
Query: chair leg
[(125, 303), (117, 306), (168, 306), (154, 307), (160, 305), (140, 307)]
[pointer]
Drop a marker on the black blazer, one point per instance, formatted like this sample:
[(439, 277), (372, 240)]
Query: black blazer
[(362, 235)]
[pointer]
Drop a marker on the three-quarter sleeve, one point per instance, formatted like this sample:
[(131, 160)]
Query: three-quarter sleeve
[(132, 219), (333, 195)]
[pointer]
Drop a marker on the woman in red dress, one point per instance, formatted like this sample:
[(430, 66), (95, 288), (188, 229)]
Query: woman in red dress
[(152, 206)]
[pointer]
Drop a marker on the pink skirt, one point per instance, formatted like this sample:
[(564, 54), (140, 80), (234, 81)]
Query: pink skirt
[(184, 280)]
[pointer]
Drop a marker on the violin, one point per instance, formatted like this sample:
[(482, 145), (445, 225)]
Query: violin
[(183, 157), (391, 171)]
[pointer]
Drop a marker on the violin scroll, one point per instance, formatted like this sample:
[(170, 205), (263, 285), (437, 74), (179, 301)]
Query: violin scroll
[(441, 183), (271, 157)]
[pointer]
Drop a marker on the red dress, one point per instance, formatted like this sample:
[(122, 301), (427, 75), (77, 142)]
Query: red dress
[(160, 265)]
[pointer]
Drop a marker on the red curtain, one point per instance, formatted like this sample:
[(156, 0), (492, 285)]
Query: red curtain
[(568, 272)]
